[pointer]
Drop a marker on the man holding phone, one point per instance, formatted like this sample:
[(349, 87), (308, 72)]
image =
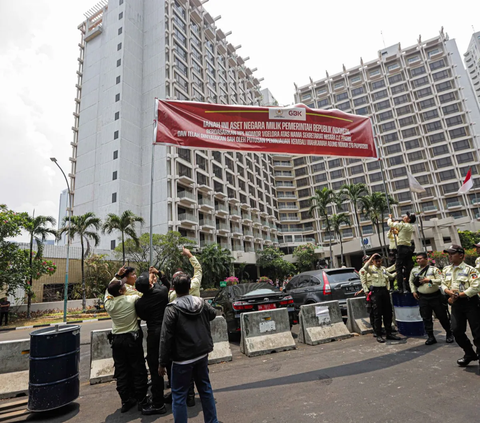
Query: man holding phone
[(379, 279)]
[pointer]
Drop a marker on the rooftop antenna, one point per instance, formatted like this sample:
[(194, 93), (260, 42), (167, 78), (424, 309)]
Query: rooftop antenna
[(383, 39)]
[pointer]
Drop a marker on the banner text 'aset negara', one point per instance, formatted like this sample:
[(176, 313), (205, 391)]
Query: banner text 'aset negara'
[(296, 130)]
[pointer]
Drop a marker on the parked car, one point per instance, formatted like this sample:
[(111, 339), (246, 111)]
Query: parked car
[(246, 297), (324, 285)]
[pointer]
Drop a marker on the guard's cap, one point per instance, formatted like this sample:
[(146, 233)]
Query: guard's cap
[(454, 248), (412, 217), (365, 258)]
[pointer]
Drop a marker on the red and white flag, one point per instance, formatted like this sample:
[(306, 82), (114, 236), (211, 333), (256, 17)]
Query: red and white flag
[(467, 183)]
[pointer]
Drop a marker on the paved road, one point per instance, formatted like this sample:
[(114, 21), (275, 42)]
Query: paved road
[(355, 380), (86, 328)]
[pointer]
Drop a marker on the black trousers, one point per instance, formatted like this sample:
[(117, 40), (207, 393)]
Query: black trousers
[(403, 267), (466, 310), (130, 370), (428, 304), (153, 352), (2, 314), (382, 309)]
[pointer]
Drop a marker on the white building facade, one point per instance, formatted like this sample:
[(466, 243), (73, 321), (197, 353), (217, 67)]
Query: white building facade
[(131, 52), (426, 121), (472, 63)]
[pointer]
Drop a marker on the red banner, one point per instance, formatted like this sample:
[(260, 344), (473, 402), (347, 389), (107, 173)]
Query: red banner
[(295, 130)]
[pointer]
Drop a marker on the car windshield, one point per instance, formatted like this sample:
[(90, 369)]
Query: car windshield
[(264, 291), (339, 276)]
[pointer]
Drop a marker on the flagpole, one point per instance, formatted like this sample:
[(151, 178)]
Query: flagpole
[(417, 205), (152, 172)]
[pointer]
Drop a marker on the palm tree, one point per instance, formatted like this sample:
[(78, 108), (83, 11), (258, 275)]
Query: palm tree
[(354, 193), (216, 264), (320, 202), (373, 206), (86, 227), (38, 229), (125, 224), (337, 221)]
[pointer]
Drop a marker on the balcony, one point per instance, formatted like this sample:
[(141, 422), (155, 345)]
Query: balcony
[(287, 195), (238, 248), (290, 219), (236, 230), (188, 218), (223, 227), (207, 222), (235, 213), (247, 217), (186, 197), (249, 249), (290, 206), (283, 174), (225, 245), (185, 176), (206, 242), (454, 204), (476, 201), (205, 203), (430, 209), (258, 237), (221, 208)]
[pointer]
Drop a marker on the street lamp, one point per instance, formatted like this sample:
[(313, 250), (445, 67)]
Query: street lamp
[(69, 211)]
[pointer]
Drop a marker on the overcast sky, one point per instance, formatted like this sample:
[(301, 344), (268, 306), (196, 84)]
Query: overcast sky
[(288, 41)]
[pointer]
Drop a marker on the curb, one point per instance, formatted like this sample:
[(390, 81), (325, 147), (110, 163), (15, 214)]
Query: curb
[(54, 324)]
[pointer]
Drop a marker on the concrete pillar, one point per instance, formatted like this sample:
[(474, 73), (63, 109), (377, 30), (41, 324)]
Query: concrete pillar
[(452, 230)]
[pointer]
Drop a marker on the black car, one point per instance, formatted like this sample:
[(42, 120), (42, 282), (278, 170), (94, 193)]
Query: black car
[(237, 299), (324, 285)]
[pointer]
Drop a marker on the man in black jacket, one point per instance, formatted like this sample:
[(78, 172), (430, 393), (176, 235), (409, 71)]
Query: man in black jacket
[(151, 308), (186, 341)]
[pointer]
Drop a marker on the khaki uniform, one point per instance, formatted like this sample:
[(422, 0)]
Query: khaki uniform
[(195, 281), (435, 276), (464, 278), (477, 264), (374, 276), (392, 238), (404, 261)]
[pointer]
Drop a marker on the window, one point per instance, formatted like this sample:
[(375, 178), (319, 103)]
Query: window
[(433, 126), (114, 176), (114, 197), (401, 99), (363, 111), (452, 108), (334, 163), (359, 180), (112, 244), (431, 114), (444, 162), (119, 62), (385, 104), (404, 196), (410, 145), (425, 104), (409, 120), (340, 97), (359, 101), (119, 46), (457, 133), (375, 177), (401, 171), (378, 84), (396, 148), (449, 188), (379, 95), (396, 78), (117, 115), (338, 85), (323, 103), (117, 80), (404, 110), (424, 92), (120, 2), (354, 79), (115, 155), (465, 157), (410, 132), (417, 71), (420, 82), (375, 72), (453, 121), (416, 155), (385, 116), (390, 126), (321, 91), (461, 145), (390, 137), (439, 150), (437, 65), (397, 160), (357, 91), (446, 175), (398, 89), (401, 184), (433, 139), (344, 106), (446, 98), (356, 169), (120, 30), (321, 177), (373, 165), (120, 16), (441, 75), (115, 135), (417, 168), (117, 97), (444, 86), (317, 167), (337, 174)]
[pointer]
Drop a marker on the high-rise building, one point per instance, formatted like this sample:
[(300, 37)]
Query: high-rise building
[(472, 63), (131, 52), (62, 214), (425, 118)]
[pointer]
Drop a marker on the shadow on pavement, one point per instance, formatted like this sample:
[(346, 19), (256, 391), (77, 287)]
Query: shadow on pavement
[(63, 414), (365, 366)]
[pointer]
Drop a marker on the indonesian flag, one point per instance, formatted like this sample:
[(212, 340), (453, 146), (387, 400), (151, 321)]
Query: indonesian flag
[(414, 184), (467, 183)]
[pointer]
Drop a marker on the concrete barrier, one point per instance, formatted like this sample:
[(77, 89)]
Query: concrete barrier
[(101, 360), (14, 365), (358, 319), (264, 332), (221, 346), (321, 322)]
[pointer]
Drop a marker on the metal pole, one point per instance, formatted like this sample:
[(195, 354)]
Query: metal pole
[(69, 210), (155, 113), (424, 240)]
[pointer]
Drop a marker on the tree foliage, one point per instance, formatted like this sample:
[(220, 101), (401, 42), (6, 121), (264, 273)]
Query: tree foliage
[(99, 273), (468, 239), (305, 255), (271, 260), (125, 224), (337, 221), (167, 252), (217, 264)]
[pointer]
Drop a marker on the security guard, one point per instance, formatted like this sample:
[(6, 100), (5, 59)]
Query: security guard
[(460, 283), (404, 262), (477, 261), (425, 282), (366, 282), (378, 276)]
